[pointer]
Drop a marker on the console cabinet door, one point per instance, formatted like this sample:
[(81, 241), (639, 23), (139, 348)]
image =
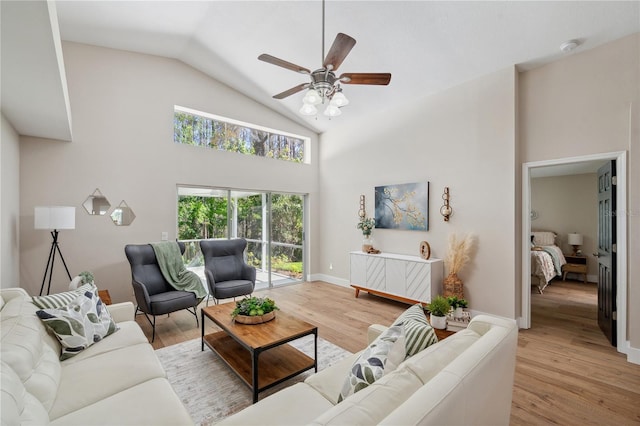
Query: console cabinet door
[(358, 271), (395, 276), (375, 273), (418, 281)]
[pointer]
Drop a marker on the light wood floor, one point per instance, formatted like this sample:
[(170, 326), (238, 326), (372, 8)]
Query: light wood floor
[(566, 371)]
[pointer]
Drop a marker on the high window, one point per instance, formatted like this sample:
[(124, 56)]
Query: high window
[(192, 127)]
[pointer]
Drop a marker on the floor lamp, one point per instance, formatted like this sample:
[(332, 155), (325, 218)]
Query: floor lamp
[(54, 218)]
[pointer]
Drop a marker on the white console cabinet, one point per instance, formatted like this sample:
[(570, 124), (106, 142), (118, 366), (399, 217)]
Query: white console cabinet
[(396, 276)]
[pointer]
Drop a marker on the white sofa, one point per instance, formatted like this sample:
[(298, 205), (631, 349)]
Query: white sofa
[(116, 381), (466, 379)]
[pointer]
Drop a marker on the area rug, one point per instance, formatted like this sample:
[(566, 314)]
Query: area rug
[(211, 391)]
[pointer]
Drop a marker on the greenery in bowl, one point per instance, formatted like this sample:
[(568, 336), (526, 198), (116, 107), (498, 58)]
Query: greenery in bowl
[(439, 306), (457, 303), (86, 276), (254, 306)]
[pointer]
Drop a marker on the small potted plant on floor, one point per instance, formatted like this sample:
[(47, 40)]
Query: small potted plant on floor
[(439, 308), (254, 310), (457, 305)]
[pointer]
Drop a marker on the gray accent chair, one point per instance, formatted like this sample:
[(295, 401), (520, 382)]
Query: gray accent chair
[(225, 269), (154, 295)]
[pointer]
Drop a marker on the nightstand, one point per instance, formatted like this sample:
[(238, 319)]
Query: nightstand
[(576, 265)]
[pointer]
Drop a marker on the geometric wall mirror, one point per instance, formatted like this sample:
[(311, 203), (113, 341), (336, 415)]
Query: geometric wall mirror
[(122, 215), (96, 203)]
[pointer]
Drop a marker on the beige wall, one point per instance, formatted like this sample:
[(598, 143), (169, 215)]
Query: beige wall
[(122, 105), (463, 138), (568, 204), (9, 205), (586, 104)]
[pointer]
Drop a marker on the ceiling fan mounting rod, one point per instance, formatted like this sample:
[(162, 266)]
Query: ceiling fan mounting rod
[(322, 58)]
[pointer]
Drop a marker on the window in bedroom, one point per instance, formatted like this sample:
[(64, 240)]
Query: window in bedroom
[(197, 128)]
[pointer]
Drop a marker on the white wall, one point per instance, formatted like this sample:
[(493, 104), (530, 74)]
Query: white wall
[(463, 138), (586, 104), (568, 204), (9, 205), (122, 105)]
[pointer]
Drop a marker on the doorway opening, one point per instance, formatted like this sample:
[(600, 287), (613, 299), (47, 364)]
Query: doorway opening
[(532, 169), (271, 222)]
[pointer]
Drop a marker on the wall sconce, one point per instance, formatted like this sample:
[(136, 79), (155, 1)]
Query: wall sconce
[(362, 212), (446, 209)]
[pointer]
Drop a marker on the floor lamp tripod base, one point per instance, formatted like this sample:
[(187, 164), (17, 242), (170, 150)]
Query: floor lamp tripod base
[(55, 247)]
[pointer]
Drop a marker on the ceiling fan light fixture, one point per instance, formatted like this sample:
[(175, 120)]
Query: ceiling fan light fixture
[(339, 99), (308, 109), (332, 111), (312, 98)]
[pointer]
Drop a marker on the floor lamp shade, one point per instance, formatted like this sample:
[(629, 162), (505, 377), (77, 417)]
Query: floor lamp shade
[(55, 217)]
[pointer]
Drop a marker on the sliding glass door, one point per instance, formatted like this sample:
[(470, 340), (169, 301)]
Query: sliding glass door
[(272, 224)]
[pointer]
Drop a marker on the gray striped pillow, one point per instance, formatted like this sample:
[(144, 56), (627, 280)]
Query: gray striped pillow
[(418, 332), (60, 300)]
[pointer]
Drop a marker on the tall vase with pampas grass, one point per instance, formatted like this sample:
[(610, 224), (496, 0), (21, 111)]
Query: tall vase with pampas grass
[(458, 255)]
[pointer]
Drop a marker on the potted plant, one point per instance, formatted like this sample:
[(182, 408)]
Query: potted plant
[(254, 310), (458, 255), (86, 277), (457, 305), (366, 225), (439, 308)]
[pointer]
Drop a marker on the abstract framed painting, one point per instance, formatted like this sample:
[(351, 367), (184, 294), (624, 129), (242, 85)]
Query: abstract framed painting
[(403, 206)]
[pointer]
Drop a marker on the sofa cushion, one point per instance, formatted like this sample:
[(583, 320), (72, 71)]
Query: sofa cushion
[(328, 382), (22, 347), (60, 300), (80, 324), (418, 332), (101, 376), (19, 407), (428, 363), (296, 405), (380, 357), (129, 334), (150, 403), (371, 405), (1, 302)]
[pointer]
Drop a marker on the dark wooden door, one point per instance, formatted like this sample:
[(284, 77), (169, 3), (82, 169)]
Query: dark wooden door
[(607, 250)]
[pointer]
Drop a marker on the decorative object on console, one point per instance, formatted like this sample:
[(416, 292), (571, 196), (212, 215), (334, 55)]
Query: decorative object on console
[(438, 309), (254, 310), (403, 206), (122, 215), (96, 204), (446, 209), (457, 257), (54, 218), (425, 250), (575, 240), (84, 277), (366, 225)]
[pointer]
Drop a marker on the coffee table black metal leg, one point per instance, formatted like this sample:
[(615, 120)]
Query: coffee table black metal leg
[(254, 372), (315, 350), (202, 335)]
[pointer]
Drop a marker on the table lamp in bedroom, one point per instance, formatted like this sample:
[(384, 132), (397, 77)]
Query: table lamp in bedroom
[(575, 240)]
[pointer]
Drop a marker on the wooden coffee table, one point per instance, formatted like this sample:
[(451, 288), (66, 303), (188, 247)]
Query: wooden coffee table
[(258, 353)]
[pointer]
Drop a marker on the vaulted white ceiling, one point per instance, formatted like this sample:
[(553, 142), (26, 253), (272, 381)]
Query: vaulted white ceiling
[(427, 46)]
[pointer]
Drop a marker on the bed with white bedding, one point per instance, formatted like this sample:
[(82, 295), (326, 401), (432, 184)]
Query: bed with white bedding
[(546, 259)]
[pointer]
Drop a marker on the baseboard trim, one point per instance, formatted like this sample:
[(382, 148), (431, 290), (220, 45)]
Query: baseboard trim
[(330, 279), (633, 354)]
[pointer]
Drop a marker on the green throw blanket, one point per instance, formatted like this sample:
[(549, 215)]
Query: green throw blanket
[(174, 271)]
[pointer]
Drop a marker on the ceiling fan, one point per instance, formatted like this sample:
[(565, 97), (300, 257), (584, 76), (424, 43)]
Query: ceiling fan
[(324, 84)]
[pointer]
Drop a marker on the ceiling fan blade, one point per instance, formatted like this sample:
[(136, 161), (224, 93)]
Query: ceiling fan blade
[(340, 48), (291, 91), (378, 78), (284, 64)]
